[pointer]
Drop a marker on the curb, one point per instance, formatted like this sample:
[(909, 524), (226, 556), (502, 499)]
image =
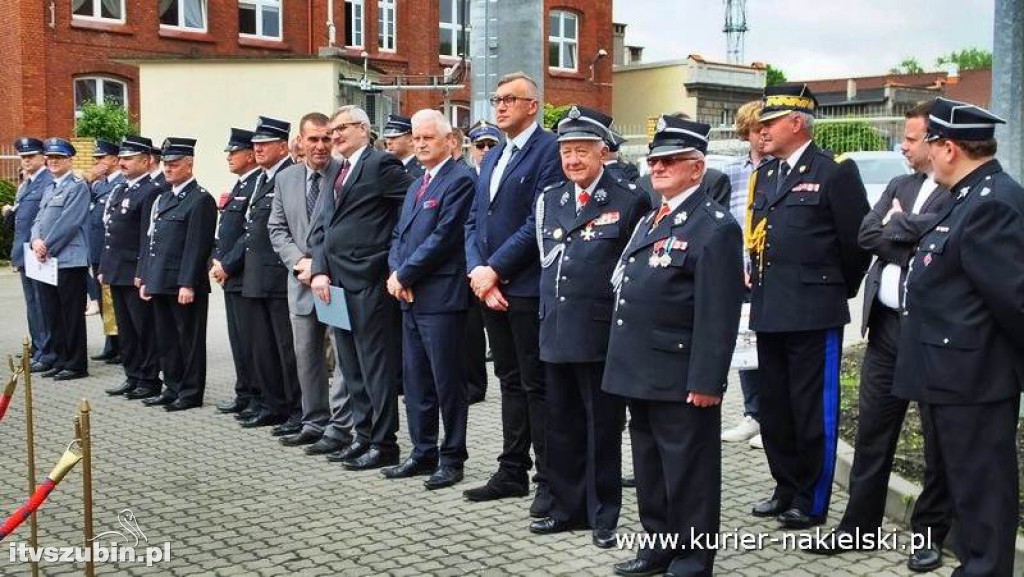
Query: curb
[(900, 500)]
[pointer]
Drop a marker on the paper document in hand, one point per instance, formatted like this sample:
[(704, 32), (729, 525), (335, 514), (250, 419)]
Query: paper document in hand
[(41, 271), (336, 313)]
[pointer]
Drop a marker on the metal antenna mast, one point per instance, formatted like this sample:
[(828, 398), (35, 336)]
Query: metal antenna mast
[(735, 28)]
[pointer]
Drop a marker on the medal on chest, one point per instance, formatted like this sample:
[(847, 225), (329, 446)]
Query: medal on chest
[(661, 255)]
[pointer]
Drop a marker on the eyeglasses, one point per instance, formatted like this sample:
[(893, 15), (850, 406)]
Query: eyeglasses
[(342, 127), (509, 100), (484, 145), (669, 161)]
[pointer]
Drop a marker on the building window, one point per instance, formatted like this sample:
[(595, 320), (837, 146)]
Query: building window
[(563, 38), (101, 9), (386, 25), (460, 116), (354, 23), (188, 14), (100, 90), (260, 18), (454, 15)]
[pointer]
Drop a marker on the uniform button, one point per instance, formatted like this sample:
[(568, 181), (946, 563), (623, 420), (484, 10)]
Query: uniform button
[(490, 212), (619, 322), (823, 277), (625, 279), (565, 257), (632, 259), (561, 299), (622, 301), (680, 345), (906, 313), (565, 278), (767, 245), (931, 247), (945, 341), (769, 227), (108, 246)]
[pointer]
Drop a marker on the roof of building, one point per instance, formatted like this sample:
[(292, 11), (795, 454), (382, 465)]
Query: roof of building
[(973, 86)]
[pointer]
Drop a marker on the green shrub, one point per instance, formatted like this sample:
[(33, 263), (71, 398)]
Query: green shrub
[(7, 192), (842, 137), (553, 114), (106, 121)]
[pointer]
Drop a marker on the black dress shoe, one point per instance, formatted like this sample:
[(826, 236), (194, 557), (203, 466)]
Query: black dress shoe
[(164, 398), (629, 481), (39, 367), (499, 486), (51, 373), (122, 389), (373, 458), (796, 519), (232, 406), (114, 360), (924, 560), (603, 538), (300, 439), (325, 446), (286, 428), (69, 375), (444, 476), (411, 468), (264, 420), (179, 405), (542, 502), (108, 354), (246, 414), (142, 393), (550, 525), (356, 449), (770, 508), (639, 568)]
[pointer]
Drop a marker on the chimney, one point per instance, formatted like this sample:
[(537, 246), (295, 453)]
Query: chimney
[(619, 56), (636, 54), (851, 89), (952, 73)]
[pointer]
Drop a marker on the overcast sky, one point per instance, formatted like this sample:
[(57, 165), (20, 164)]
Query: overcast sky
[(812, 39)]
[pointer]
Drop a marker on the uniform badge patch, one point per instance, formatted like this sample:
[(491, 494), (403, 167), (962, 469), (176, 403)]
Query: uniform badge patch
[(610, 217), (680, 218), (600, 196), (564, 199), (986, 191)]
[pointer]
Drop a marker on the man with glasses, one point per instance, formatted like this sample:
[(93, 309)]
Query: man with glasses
[(484, 137), (504, 273), (678, 293)]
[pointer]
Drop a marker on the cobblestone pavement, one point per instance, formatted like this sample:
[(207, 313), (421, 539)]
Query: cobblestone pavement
[(234, 502)]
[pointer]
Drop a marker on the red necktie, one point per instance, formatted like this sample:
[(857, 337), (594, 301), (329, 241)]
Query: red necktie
[(662, 213), (423, 186), (583, 198)]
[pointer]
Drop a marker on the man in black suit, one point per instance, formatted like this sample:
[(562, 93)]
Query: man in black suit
[(504, 272), (398, 140), (358, 215), (679, 289), (228, 264), (123, 239), (908, 207), (265, 290), (804, 213), (962, 334), (173, 273)]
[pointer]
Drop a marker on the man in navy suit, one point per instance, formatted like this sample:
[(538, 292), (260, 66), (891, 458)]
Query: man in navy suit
[(21, 216), (427, 261), (504, 272)]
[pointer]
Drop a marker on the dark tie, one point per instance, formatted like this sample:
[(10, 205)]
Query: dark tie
[(423, 186), (340, 181), (515, 149), (313, 193), (783, 173)]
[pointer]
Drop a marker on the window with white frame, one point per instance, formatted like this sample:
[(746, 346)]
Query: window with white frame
[(563, 39), (460, 116), (187, 14), (453, 28), (260, 18), (99, 9), (354, 23), (100, 90), (386, 24)]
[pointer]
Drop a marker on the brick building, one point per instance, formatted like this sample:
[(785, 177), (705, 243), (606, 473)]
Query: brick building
[(61, 53)]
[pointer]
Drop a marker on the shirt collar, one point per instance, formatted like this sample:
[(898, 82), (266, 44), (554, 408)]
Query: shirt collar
[(177, 189), (246, 176), (795, 157), (32, 177), (408, 159), (675, 202), (156, 173), (433, 171), (59, 180), (136, 180), (113, 176), (273, 169), (352, 160), (520, 140), (593, 185)]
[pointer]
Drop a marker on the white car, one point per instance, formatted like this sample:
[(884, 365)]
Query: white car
[(877, 169)]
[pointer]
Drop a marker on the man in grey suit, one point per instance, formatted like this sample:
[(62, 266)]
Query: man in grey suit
[(326, 425)]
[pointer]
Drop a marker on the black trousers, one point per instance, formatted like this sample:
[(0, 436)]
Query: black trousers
[(239, 336), (272, 351), (370, 356), (515, 343), (799, 397), (474, 356), (677, 456), (64, 311), (136, 336), (584, 445), (181, 340), (878, 430)]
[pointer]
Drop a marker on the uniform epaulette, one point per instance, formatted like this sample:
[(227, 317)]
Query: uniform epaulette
[(558, 184)]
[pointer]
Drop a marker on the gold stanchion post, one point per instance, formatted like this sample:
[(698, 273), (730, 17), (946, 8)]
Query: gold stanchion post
[(30, 442), (85, 439)]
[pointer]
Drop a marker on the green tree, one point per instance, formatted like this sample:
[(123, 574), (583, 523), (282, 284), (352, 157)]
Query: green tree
[(841, 137), (553, 113), (967, 59), (774, 76), (907, 66), (107, 121), (7, 191)]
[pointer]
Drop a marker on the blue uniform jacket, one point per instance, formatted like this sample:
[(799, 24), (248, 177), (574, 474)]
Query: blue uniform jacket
[(62, 222), (26, 207)]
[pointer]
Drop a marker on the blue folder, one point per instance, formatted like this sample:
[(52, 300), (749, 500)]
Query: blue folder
[(336, 313)]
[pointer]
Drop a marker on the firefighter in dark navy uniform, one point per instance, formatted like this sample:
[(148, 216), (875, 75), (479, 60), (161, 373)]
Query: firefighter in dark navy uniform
[(582, 225), (398, 139), (962, 334), (804, 214), (679, 289)]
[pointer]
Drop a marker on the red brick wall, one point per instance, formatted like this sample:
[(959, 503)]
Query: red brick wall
[(595, 33)]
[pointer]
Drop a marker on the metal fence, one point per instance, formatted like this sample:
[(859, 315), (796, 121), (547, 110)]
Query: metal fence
[(10, 164)]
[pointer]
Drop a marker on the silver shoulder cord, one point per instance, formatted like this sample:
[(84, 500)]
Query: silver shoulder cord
[(556, 253), (152, 219), (620, 267)]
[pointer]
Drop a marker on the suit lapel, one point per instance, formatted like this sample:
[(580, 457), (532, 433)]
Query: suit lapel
[(515, 160), (436, 184), (352, 177), (795, 176)]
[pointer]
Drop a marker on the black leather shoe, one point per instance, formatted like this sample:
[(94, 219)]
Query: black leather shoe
[(356, 449), (603, 538), (542, 502), (50, 373), (159, 400), (286, 428), (142, 393), (796, 519), (69, 375), (114, 360), (108, 354), (179, 405), (411, 468), (373, 458), (264, 420), (246, 414), (550, 525), (300, 439), (325, 446), (232, 406), (38, 367), (924, 560), (770, 508), (444, 476), (629, 481), (499, 486), (122, 389), (639, 568)]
